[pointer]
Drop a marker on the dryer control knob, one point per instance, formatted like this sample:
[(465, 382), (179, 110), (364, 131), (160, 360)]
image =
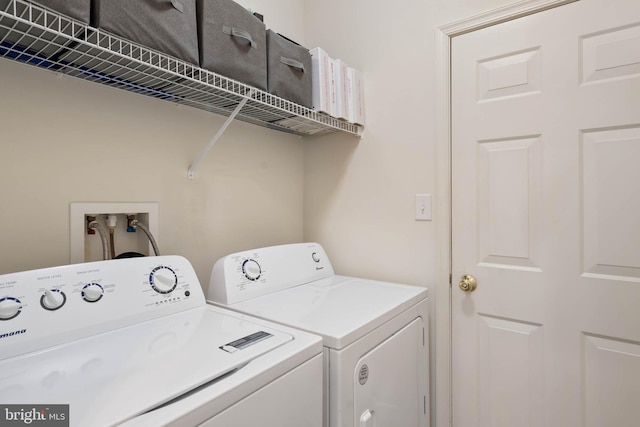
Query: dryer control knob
[(251, 269), (9, 308), (53, 299), (92, 292)]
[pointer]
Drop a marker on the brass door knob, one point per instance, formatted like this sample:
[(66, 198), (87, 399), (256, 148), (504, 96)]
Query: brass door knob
[(468, 283)]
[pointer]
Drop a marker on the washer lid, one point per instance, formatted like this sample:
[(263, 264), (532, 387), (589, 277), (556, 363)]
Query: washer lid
[(341, 309), (112, 377)]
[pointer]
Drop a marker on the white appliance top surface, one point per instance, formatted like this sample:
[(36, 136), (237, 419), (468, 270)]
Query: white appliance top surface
[(116, 339), (111, 377), (339, 308)]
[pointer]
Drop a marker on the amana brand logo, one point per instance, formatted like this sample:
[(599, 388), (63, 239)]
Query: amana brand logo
[(10, 334)]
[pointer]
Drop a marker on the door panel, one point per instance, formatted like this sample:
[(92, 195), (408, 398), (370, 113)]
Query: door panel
[(512, 74), (611, 226), (508, 202), (545, 202), (611, 54), (612, 369), (511, 372)]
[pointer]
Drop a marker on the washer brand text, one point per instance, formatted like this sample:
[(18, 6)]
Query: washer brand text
[(10, 334)]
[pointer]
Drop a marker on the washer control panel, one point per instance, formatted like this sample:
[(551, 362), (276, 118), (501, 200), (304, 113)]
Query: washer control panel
[(250, 274), (46, 307)]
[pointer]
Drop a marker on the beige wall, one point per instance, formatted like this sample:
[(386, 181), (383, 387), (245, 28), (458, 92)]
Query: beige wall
[(65, 140)]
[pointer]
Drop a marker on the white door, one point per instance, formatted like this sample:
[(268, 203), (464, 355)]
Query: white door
[(546, 217)]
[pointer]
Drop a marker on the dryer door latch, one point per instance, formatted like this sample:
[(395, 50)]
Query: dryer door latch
[(366, 419)]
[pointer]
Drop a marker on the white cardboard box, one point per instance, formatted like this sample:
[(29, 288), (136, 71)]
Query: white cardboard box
[(337, 89), (356, 97), (342, 90), (321, 80)]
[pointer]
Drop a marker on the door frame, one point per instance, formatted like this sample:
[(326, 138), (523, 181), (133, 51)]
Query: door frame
[(443, 289)]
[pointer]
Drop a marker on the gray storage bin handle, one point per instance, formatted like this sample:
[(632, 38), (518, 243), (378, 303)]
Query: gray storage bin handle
[(235, 32), (177, 6), (292, 63)]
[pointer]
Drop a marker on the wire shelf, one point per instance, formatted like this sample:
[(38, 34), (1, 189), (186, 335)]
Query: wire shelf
[(37, 36)]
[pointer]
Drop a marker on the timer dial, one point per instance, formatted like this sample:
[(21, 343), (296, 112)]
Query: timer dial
[(251, 269), (9, 308), (92, 292), (53, 299), (163, 279)]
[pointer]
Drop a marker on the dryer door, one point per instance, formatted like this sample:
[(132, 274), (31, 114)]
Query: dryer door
[(390, 381)]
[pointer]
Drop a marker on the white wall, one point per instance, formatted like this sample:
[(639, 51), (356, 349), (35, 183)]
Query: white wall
[(282, 16), (360, 195)]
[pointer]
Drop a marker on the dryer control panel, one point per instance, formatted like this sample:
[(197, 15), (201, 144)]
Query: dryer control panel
[(47, 307), (245, 275)]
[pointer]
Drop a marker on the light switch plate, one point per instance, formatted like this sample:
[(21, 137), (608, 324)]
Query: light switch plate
[(423, 207)]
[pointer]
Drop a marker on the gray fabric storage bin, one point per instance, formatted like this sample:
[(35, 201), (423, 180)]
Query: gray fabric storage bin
[(232, 42), (78, 9), (168, 26), (36, 44), (288, 69)]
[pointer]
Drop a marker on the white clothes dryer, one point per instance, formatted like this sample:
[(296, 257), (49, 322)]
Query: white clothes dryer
[(133, 342), (375, 334)]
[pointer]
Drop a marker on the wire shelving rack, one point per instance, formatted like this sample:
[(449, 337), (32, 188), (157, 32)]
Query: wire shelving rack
[(37, 36)]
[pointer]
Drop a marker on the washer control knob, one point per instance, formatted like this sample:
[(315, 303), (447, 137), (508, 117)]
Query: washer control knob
[(163, 279), (9, 308), (251, 269), (315, 257), (53, 299), (92, 292)]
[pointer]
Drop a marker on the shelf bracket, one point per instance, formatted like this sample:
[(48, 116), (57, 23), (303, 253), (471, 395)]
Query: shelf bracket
[(191, 173)]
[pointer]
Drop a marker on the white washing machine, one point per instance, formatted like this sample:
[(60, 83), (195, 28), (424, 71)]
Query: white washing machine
[(132, 342), (375, 333)]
